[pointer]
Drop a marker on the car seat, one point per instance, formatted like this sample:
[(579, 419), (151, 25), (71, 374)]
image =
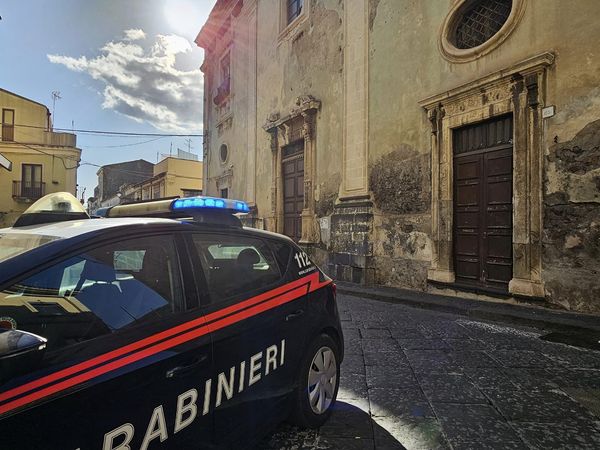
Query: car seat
[(102, 297)]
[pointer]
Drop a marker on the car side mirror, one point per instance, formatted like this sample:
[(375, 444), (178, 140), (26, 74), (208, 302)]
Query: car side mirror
[(20, 352)]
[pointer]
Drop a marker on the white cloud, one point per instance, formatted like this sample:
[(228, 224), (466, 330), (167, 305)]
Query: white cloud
[(134, 34), (144, 84)]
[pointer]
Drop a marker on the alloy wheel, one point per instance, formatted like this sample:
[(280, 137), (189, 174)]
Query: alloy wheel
[(322, 380)]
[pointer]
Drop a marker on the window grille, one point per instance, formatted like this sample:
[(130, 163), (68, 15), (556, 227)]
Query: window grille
[(481, 21), (294, 8)]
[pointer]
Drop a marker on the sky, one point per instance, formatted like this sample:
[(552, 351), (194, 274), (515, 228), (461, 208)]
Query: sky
[(119, 65)]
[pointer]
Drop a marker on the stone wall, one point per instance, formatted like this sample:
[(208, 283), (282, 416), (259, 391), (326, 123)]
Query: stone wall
[(572, 221)]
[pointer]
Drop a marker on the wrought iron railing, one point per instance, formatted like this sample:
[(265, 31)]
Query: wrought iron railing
[(28, 189)]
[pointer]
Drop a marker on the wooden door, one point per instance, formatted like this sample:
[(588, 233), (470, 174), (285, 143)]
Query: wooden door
[(483, 205), (293, 190)]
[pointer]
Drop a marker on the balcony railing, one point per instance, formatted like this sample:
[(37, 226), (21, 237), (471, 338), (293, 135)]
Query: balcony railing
[(222, 91), (28, 190)]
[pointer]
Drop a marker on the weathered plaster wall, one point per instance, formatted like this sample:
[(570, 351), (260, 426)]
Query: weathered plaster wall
[(406, 66), (572, 221), (308, 61)]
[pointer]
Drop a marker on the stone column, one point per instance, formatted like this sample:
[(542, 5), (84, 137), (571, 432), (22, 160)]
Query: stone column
[(527, 187), (441, 261), (271, 224), (310, 230), (356, 87), (251, 108), (351, 244)]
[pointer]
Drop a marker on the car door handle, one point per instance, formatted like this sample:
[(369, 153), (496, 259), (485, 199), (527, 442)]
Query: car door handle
[(294, 315), (184, 370)]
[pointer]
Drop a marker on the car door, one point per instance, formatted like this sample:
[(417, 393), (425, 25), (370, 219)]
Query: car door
[(257, 339), (125, 364)]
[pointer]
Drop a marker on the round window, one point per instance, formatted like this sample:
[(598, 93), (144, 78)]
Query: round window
[(475, 27), (223, 152), (480, 21)]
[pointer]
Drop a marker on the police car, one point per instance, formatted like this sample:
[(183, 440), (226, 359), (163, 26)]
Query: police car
[(138, 332)]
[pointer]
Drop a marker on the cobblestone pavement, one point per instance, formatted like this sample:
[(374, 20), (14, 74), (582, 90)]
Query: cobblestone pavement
[(418, 379)]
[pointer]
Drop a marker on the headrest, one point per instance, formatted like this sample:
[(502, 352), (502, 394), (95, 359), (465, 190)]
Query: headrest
[(98, 271), (248, 257)]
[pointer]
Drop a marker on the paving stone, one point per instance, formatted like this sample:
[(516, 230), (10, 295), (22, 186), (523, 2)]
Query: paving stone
[(413, 434), (353, 363), (584, 378), (375, 324), (352, 347), (471, 423), (587, 397), (422, 344), (510, 342), (348, 423), (538, 406), (379, 345), (468, 344), (406, 333), (409, 403), (473, 358), (577, 359), (530, 379), (448, 330), (288, 437), (451, 389), (488, 445), (370, 333), (559, 436), (386, 359), (353, 384), (521, 358), (489, 377), (345, 316), (350, 333), (432, 361), (391, 377)]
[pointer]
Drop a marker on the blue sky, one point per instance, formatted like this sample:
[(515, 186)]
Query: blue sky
[(120, 65)]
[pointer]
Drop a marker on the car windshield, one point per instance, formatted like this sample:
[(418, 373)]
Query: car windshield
[(12, 245)]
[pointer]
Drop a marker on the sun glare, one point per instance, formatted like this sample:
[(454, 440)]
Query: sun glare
[(185, 17)]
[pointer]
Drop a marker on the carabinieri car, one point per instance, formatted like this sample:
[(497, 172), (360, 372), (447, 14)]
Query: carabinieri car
[(136, 332)]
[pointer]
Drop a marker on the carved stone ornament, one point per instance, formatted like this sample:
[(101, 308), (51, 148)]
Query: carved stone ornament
[(273, 117), (224, 180), (304, 104)]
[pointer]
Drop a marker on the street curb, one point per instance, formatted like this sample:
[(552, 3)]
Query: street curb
[(537, 317)]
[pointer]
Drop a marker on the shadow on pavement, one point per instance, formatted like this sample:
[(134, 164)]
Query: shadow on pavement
[(348, 428)]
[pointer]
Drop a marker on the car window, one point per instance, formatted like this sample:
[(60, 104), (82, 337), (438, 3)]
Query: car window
[(13, 244), (97, 292), (235, 265)]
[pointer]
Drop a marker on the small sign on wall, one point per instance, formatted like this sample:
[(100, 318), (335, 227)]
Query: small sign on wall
[(5, 163), (548, 112)]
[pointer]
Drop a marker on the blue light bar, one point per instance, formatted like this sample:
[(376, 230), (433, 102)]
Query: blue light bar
[(203, 203)]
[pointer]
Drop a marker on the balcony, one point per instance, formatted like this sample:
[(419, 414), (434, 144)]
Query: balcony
[(28, 190), (222, 91)]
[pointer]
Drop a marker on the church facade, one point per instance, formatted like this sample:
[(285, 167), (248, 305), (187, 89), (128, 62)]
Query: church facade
[(446, 146)]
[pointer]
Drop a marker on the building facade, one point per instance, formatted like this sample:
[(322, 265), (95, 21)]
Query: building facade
[(449, 146), (112, 177), (172, 177), (42, 161)]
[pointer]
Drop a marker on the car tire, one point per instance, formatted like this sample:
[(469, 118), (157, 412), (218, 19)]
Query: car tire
[(317, 383)]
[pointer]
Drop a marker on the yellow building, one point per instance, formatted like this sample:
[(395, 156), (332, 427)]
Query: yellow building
[(172, 177), (42, 161)]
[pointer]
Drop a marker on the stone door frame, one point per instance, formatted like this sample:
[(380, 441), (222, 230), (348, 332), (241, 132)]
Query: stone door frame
[(279, 129), (519, 90)]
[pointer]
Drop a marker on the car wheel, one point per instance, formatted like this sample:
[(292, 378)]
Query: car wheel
[(318, 383)]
